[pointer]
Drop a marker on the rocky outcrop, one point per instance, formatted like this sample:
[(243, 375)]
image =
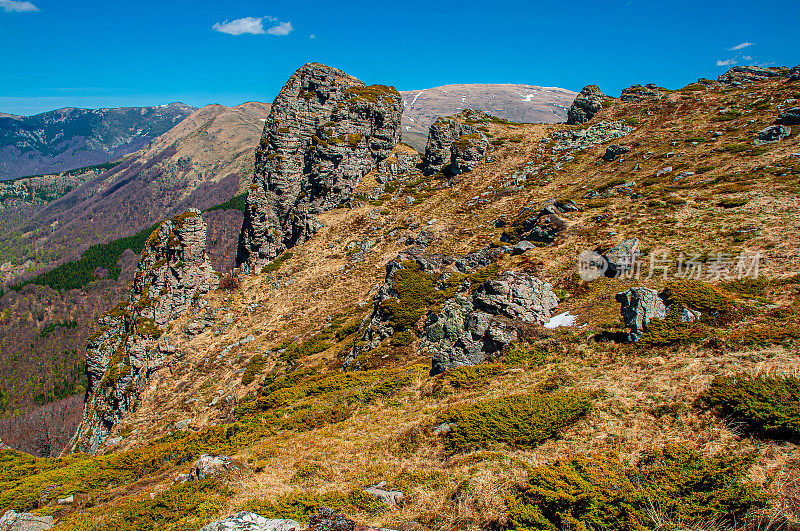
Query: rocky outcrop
[(622, 257), (636, 93), (771, 134), (211, 465), (588, 102), (748, 74), (13, 521), (455, 145), (247, 521), (638, 306), (614, 152), (325, 131), (541, 225), (595, 134), (790, 116), (172, 272), (471, 328)]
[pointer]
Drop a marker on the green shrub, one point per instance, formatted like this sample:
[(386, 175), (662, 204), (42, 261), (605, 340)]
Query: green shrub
[(769, 406), (670, 331), (713, 302), (299, 506), (468, 376), (402, 339), (416, 292), (276, 264), (520, 420), (254, 368), (524, 353), (592, 493), (732, 202)]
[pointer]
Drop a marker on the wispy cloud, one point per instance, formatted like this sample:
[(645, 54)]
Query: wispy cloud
[(252, 26), (747, 57), (312, 36), (284, 28), (13, 6), (741, 46), (726, 62)]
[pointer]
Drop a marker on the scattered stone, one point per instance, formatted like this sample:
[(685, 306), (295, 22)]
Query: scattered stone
[(183, 424), (522, 246), (663, 171), (789, 116), (638, 306), (682, 175), (389, 497), (246, 521), (586, 105), (211, 465), (327, 519), (13, 521), (113, 441), (66, 500), (773, 133), (613, 152), (591, 136), (748, 74)]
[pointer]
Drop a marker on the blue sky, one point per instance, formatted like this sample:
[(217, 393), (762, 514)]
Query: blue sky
[(59, 53)]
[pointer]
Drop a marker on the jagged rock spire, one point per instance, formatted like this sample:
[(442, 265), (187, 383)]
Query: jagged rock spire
[(325, 131)]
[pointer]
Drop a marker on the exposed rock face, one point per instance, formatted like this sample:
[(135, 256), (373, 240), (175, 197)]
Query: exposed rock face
[(455, 145), (640, 93), (541, 226), (748, 74), (790, 116), (588, 102), (13, 521), (327, 519), (211, 465), (172, 271), (622, 257), (639, 305), (473, 328), (246, 521), (773, 133), (325, 131)]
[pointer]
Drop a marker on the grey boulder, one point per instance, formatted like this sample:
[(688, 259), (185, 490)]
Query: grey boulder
[(13, 521), (614, 152), (773, 133), (622, 257), (789, 116), (211, 465), (638, 306)]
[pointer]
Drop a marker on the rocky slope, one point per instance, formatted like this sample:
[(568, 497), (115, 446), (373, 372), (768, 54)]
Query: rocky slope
[(610, 356), (514, 102), (172, 273), (70, 138), (325, 131)]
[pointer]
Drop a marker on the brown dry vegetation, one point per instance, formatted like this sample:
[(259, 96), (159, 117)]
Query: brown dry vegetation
[(644, 397)]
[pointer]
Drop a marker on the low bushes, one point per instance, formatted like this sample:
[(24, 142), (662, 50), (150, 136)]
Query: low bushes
[(254, 368), (768, 406), (520, 420), (674, 484), (299, 506)]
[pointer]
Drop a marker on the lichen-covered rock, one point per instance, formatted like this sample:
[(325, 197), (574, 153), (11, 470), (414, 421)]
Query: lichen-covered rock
[(172, 272), (591, 136), (748, 74), (622, 257), (471, 328), (414, 281), (640, 93), (638, 306), (454, 144), (587, 103), (325, 131), (773, 133), (790, 116), (326, 519), (211, 465), (384, 494), (13, 521), (614, 152), (247, 521)]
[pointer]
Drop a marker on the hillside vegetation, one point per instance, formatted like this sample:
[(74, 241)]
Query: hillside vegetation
[(692, 427)]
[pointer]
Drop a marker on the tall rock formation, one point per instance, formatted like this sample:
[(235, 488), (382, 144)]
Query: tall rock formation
[(455, 145), (173, 271), (325, 131), (587, 103)]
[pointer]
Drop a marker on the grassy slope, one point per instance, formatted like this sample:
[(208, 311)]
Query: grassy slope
[(345, 437)]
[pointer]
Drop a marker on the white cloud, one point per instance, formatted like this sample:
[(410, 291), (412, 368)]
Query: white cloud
[(312, 36), (747, 57), (13, 6), (726, 62), (741, 45), (284, 28), (240, 26), (252, 26)]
